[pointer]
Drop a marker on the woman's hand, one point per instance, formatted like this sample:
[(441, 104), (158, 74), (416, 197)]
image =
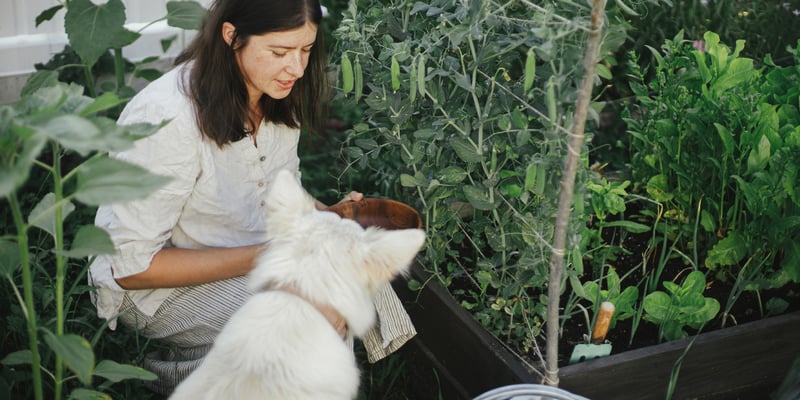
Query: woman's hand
[(352, 196)]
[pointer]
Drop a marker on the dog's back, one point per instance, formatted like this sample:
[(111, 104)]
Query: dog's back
[(279, 345)]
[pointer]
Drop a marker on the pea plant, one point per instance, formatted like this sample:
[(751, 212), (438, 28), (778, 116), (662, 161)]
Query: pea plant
[(467, 112)]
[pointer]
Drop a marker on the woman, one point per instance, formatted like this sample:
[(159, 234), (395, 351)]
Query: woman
[(254, 74)]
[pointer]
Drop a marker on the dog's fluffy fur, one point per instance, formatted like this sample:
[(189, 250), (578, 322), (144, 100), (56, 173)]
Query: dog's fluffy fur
[(278, 345)]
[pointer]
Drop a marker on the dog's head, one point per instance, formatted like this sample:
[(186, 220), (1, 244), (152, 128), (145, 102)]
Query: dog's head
[(330, 260)]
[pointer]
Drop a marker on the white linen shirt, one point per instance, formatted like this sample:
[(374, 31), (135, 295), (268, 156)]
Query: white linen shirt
[(216, 196)]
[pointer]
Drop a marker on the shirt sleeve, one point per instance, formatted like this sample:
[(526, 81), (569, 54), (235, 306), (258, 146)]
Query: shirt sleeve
[(140, 228)]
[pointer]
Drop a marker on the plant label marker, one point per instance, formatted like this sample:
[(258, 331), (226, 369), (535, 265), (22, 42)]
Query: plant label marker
[(597, 346)]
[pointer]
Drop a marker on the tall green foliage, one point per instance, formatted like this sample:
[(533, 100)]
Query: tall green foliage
[(716, 140), (467, 110), (53, 164)]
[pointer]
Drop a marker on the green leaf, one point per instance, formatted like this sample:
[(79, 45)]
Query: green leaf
[(116, 372), (75, 351), (452, 175), (657, 306), (695, 282), (73, 132), (21, 357), (47, 14), (88, 394), (728, 251), (630, 226), (465, 150), (39, 79), (43, 216), (94, 29), (478, 198), (658, 188), (9, 258), (104, 102), (106, 180), (758, 157), (185, 14), (90, 241)]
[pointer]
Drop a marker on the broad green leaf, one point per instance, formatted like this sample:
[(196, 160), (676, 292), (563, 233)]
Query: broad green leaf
[(90, 241), (48, 14), (15, 170), (412, 181), (21, 357), (116, 372), (738, 71), (695, 282), (39, 79), (657, 306), (465, 150), (728, 144), (106, 180), (478, 198), (791, 262), (104, 102), (658, 189), (728, 251), (75, 351), (88, 394), (94, 29), (73, 132), (185, 14), (452, 175), (9, 257), (759, 156), (43, 216)]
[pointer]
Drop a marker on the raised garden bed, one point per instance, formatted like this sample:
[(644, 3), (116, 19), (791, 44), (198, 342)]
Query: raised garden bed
[(742, 361)]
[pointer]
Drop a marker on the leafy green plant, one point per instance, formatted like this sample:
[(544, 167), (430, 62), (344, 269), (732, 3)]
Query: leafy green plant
[(731, 192), (108, 34), (62, 118), (624, 300), (468, 108), (680, 306), (53, 146)]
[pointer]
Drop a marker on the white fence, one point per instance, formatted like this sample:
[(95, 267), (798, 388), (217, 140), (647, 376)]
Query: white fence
[(23, 44)]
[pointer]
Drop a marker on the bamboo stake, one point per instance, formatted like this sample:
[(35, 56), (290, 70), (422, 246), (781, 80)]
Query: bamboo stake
[(575, 143)]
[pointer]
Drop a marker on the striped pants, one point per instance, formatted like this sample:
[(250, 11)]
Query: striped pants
[(191, 317)]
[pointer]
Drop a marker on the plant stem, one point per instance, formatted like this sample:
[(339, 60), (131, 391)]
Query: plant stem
[(567, 184), (60, 262), (87, 71), (27, 290), (119, 68)]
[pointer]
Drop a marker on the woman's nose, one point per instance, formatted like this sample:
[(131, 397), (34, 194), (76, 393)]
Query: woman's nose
[(295, 64)]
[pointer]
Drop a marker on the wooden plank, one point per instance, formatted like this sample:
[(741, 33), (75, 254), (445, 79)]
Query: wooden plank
[(718, 362)]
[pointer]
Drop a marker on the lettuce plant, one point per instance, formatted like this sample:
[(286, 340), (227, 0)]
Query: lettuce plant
[(680, 306)]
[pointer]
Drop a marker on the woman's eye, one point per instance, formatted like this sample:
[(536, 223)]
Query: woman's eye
[(277, 54)]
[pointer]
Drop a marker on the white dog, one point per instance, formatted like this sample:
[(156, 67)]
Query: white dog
[(279, 345)]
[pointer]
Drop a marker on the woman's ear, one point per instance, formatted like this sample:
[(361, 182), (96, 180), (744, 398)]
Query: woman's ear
[(228, 33)]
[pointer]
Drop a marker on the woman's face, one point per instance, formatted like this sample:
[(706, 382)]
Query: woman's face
[(271, 63)]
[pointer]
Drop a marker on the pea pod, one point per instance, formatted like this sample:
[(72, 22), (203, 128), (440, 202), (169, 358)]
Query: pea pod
[(530, 70), (395, 74), (359, 80), (550, 101), (412, 82), (421, 75), (347, 74)]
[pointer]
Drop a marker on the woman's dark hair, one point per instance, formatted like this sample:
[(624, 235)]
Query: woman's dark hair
[(217, 86)]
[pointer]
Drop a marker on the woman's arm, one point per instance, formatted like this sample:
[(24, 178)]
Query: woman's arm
[(174, 267)]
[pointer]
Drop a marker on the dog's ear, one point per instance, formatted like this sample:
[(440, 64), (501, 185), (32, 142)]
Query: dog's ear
[(287, 199), (391, 251)]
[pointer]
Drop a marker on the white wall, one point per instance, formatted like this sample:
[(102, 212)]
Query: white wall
[(23, 44)]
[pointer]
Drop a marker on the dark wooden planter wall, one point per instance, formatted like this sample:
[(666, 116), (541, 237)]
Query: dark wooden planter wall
[(745, 361)]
